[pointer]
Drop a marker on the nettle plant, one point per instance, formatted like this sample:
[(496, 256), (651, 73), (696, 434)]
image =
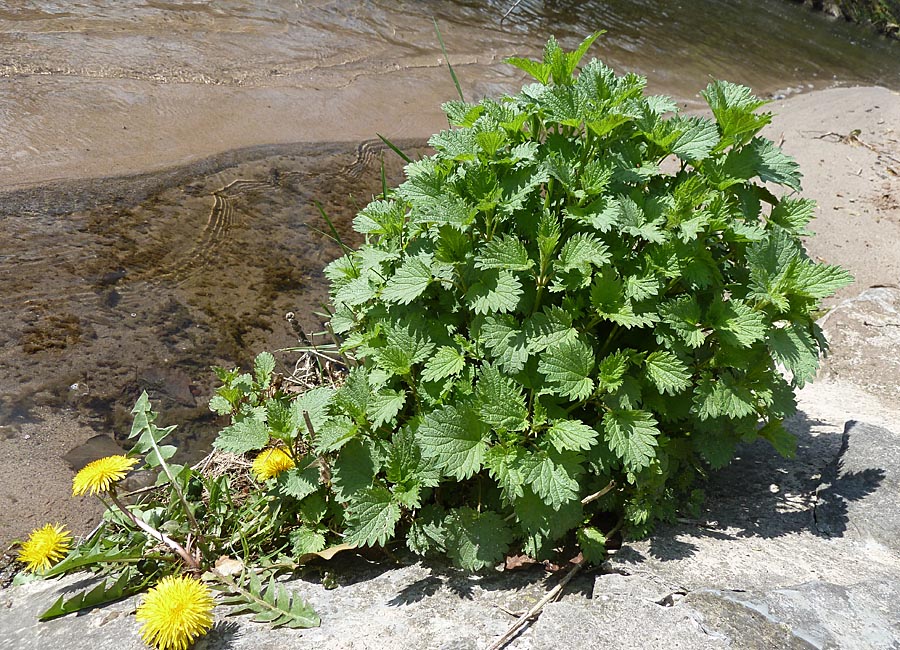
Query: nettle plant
[(579, 303)]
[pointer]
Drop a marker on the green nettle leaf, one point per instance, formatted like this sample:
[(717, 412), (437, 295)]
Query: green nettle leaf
[(505, 341), (263, 367), (315, 404), (505, 252), (243, 436), (612, 371), (567, 367), (696, 138), (683, 315), (609, 301), (793, 214), (354, 470), (553, 477), (494, 291), (819, 280), (372, 517), (446, 362), (582, 253), (307, 540), (795, 348), (476, 540), (455, 438), (410, 280), (571, 435), (723, 397), (737, 323), (593, 544), (357, 291), (546, 328), (506, 466), (301, 481), (500, 401), (385, 405), (667, 372), (632, 437)]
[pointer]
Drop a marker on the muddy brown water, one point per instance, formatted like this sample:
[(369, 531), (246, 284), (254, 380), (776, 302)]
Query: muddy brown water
[(161, 160)]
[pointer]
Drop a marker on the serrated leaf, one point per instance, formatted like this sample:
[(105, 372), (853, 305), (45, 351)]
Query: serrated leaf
[(794, 348), (505, 341), (696, 138), (633, 220), (385, 405), (372, 517), (549, 327), (410, 280), (819, 280), (723, 397), (536, 517), (583, 252), (405, 464), (306, 540), (263, 367), (426, 532), (782, 440), (612, 371), (446, 362), (536, 69), (300, 481), (504, 252), (354, 470), (106, 591), (249, 434), (334, 433), (567, 367), (632, 437), (793, 214), (571, 435), (553, 477), (759, 158), (683, 315), (499, 399), (608, 301), (356, 292), (455, 438), (475, 540), (495, 291), (505, 466), (314, 403), (733, 106), (274, 604), (737, 323), (667, 372), (593, 545), (456, 144)]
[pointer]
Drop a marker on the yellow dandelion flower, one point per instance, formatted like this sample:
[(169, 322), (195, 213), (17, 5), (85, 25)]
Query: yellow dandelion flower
[(271, 462), (45, 547), (175, 612), (101, 474)]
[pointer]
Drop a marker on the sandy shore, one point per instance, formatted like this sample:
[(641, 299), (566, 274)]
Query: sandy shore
[(847, 142)]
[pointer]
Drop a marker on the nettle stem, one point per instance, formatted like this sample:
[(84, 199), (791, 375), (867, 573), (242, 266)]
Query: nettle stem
[(189, 559)]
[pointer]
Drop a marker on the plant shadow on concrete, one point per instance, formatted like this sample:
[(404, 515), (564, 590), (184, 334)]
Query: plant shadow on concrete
[(761, 494)]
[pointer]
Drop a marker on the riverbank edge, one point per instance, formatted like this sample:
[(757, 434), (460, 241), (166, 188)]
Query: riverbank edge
[(881, 15)]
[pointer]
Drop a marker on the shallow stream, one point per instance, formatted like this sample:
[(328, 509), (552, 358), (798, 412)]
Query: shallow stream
[(161, 160)]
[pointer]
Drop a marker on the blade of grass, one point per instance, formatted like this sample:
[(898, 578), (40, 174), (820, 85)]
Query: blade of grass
[(446, 58), (335, 234), (394, 148)]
